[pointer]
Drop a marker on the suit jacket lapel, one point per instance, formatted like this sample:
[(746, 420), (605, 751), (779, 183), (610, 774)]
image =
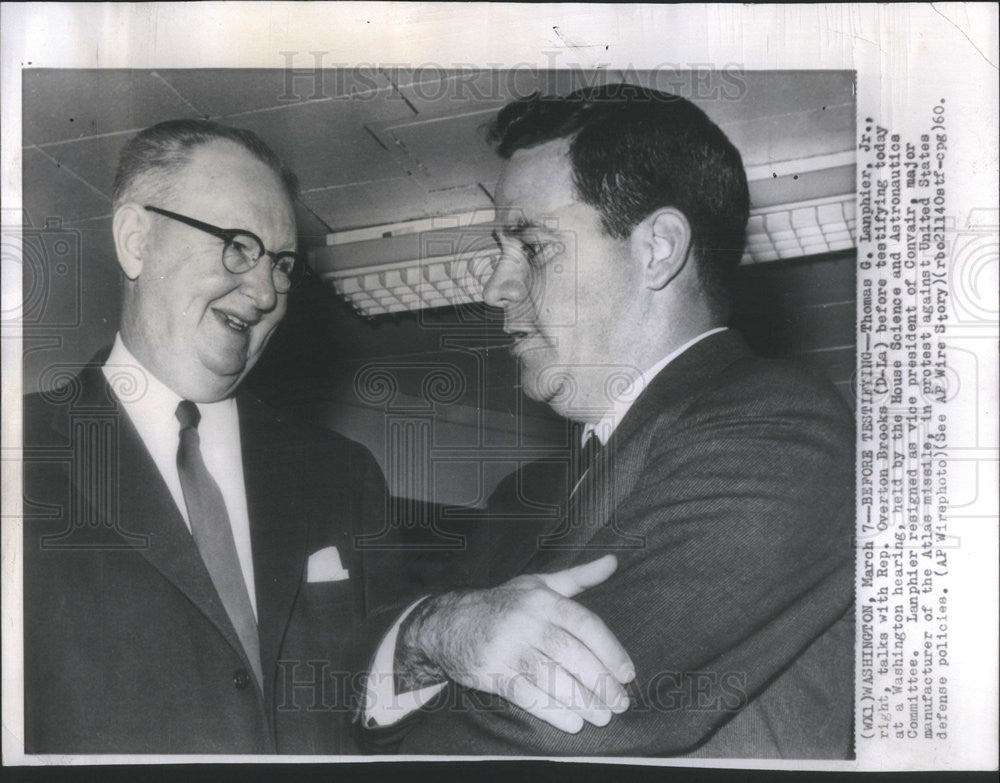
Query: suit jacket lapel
[(591, 523), (591, 508), (278, 536), (138, 507)]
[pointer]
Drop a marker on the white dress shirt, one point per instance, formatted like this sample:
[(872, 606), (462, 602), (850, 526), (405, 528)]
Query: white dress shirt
[(383, 705), (151, 409)]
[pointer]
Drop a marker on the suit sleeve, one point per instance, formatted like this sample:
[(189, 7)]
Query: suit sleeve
[(424, 569), (745, 506)]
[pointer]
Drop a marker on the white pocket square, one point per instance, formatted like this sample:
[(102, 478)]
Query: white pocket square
[(324, 566)]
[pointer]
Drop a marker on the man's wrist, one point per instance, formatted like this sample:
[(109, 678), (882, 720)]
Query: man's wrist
[(414, 665)]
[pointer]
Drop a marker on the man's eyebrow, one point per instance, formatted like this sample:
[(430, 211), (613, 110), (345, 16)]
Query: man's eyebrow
[(516, 230)]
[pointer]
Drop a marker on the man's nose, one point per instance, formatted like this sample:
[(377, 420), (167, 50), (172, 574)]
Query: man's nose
[(258, 285), (507, 284)]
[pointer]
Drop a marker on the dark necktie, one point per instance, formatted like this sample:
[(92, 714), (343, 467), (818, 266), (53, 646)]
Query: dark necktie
[(584, 457), (214, 535)]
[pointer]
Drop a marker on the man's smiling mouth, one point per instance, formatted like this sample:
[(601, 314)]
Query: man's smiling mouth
[(234, 322)]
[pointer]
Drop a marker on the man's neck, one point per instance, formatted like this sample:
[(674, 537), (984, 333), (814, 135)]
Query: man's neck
[(626, 392), (644, 349), (134, 382), (203, 392), (126, 372)]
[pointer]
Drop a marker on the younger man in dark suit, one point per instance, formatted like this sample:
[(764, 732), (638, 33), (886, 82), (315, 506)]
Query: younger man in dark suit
[(722, 482)]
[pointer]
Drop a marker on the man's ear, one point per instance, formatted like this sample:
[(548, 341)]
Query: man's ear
[(130, 226), (665, 244)]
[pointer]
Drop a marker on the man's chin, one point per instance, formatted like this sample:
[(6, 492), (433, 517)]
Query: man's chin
[(215, 379), (226, 361), (553, 395)]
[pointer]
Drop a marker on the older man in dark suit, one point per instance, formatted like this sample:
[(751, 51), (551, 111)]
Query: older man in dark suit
[(190, 584), (722, 482)]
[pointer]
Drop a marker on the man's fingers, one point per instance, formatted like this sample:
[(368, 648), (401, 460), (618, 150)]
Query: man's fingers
[(534, 701), (564, 690), (595, 685), (586, 626), (578, 578), (593, 634)]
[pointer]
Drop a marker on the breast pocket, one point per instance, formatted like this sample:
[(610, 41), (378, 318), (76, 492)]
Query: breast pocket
[(315, 594), (325, 620)]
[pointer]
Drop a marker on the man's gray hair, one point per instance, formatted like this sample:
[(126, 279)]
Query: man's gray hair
[(148, 160)]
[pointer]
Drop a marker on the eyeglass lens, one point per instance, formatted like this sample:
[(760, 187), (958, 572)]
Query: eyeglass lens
[(243, 252)]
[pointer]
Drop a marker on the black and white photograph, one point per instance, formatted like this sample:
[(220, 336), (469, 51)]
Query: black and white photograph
[(424, 407)]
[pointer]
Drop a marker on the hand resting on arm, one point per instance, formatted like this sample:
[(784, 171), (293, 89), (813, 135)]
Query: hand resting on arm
[(525, 641)]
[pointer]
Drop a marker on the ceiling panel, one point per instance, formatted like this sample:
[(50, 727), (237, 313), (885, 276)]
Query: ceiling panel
[(311, 229), (770, 117), (387, 201), (368, 158), (726, 96), (326, 142), (435, 91), (70, 104), (92, 159), (803, 134), (447, 150), (733, 96), (225, 91), (51, 191), (801, 187)]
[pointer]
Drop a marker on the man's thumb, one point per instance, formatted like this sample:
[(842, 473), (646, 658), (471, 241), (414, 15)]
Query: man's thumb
[(578, 578)]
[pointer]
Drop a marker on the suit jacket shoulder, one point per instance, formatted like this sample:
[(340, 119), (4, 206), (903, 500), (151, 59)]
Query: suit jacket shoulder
[(126, 647), (727, 495)]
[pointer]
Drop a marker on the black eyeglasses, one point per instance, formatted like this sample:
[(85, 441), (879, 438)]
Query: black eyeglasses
[(243, 250)]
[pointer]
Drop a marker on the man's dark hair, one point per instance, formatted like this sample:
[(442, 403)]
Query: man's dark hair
[(148, 160), (634, 150)]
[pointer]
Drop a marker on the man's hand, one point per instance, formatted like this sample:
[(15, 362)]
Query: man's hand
[(525, 641)]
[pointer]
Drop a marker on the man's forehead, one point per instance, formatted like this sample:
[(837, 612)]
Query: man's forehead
[(225, 163), (222, 153), (222, 181), (535, 183)]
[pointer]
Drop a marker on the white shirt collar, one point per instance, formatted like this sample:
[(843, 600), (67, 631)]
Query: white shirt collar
[(141, 393), (147, 399), (151, 405), (623, 401)]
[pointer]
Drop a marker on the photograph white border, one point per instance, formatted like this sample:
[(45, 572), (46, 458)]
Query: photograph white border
[(907, 57)]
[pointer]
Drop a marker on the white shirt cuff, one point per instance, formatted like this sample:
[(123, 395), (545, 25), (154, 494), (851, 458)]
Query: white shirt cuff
[(383, 706)]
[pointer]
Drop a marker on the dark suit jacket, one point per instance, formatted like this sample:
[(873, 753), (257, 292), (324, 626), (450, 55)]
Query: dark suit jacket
[(727, 493), (126, 646)]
